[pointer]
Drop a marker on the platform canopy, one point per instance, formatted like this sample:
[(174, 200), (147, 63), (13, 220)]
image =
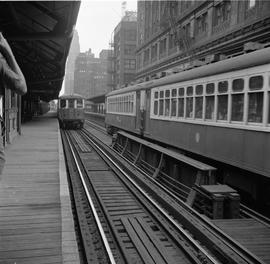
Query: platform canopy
[(40, 34)]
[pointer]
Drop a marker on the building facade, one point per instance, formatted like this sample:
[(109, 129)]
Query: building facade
[(90, 76), (124, 47), (173, 35), (70, 65)]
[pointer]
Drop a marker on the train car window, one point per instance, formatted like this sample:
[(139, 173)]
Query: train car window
[(156, 94), (181, 91), (161, 103), (256, 82), (198, 106), (222, 109), (63, 103), (173, 102), (210, 88), (173, 110), (237, 107), (238, 85), (269, 108), (71, 103), (155, 107), (132, 106), (189, 107), (180, 107), (199, 89), (79, 103), (223, 87), (190, 90), (209, 107), (167, 102), (167, 107), (255, 107)]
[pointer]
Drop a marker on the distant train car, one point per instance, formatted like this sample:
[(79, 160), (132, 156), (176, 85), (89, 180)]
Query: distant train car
[(71, 111), (219, 111)]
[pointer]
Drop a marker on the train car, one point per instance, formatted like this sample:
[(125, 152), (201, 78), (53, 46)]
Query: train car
[(71, 111), (220, 111)]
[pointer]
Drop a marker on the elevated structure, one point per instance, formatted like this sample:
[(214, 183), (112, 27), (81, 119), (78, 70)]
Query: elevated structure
[(39, 34)]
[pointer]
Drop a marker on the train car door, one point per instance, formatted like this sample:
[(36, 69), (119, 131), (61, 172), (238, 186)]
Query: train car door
[(147, 111), (141, 106), (138, 113)]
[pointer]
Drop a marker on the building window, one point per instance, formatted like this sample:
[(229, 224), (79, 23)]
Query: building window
[(222, 12), (162, 46), (146, 56), (201, 22), (130, 34), (172, 41), (130, 64), (154, 51), (129, 49)]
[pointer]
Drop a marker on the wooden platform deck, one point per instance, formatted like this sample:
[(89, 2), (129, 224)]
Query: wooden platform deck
[(36, 224), (249, 233)]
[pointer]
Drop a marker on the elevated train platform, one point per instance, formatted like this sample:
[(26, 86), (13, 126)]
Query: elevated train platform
[(36, 222)]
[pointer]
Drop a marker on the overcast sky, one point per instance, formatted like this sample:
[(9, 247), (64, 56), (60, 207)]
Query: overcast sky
[(97, 20)]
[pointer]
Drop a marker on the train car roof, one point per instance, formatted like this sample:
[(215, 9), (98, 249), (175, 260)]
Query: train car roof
[(70, 96), (252, 59)]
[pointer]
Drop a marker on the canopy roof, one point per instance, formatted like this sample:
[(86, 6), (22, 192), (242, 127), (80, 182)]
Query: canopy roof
[(40, 35)]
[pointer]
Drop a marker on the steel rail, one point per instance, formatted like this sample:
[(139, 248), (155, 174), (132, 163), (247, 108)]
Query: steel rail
[(156, 205), (255, 215), (100, 228), (225, 238)]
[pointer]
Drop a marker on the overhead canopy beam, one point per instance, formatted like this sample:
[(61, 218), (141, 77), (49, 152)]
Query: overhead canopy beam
[(39, 36)]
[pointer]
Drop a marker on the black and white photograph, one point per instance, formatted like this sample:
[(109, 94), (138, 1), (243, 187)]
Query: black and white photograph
[(135, 132)]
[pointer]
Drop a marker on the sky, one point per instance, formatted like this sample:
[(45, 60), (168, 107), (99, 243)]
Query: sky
[(97, 20)]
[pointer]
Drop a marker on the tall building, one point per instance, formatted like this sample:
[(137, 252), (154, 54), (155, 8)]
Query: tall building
[(90, 77), (70, 65), (124, 46), (173, 35)]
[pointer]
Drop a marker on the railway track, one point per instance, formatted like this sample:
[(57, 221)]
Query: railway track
[(125, 224), (212, 228), (181, 191)]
